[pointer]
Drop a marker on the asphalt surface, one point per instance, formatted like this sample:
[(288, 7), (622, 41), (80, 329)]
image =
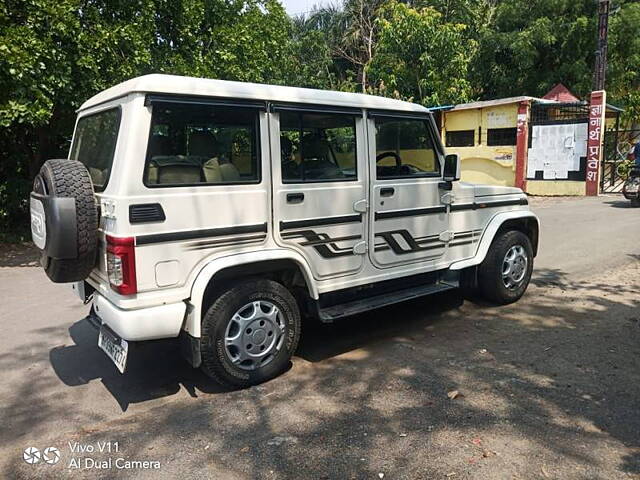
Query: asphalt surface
[(547, 387)]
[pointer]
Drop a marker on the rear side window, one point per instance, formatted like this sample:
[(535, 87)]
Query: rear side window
[(317, 147), (94, 144), (405, 148), (192, 144)]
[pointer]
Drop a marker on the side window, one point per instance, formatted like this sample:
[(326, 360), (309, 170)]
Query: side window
[(317, 147), (194, 144), (404, 148), (94, 144), (460, 138), (497, 137)]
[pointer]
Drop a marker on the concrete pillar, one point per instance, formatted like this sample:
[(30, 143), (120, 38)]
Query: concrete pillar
[(522, 145), (595, 136)]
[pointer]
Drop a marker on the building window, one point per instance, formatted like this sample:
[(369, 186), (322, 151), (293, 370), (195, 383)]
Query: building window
[(460, 138), (498, 137)]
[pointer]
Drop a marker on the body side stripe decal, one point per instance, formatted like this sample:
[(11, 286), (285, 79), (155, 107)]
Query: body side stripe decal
[(196, 234), (410, 213), (320, 221), (454, 208)]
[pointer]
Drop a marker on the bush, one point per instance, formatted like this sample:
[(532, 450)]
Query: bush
[(14, 209)]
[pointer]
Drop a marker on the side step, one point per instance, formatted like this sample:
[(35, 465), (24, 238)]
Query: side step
[(329, 314)]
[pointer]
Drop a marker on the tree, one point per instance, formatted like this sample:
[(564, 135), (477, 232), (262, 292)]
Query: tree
[(351, 34), (623, 76), (245, 40), (422, 57), (531, 46), (311, 60), (54, 54), (473, 13)]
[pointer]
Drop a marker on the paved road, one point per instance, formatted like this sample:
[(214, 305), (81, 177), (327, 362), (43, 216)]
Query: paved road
[(587, 235), (548, 387)]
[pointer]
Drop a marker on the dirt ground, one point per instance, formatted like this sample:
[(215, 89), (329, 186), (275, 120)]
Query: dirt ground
[(548, 387)]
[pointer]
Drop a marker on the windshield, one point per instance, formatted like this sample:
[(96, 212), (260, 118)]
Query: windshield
[(94, 144)]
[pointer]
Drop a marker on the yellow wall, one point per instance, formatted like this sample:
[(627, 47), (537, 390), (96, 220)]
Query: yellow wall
[(487, 172), (551, 187), (481, 163)]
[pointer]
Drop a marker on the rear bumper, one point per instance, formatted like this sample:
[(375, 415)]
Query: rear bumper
[(164, 321)]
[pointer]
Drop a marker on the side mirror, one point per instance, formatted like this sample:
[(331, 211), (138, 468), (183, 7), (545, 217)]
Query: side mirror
[(451, 171)]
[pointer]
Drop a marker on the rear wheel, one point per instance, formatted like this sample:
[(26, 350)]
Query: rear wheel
[(250, 333), (506, 270), (70, 179)]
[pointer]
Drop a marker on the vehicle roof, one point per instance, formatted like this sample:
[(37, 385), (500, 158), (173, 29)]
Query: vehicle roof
[(174, 84)]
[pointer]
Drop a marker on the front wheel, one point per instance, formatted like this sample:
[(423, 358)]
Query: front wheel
[(250, 333), (505, 273)]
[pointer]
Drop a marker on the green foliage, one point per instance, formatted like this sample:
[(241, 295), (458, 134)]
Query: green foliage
[(421, 56), (54, 54), (245, 40), (531, 46), (310, 58), (623, 82)]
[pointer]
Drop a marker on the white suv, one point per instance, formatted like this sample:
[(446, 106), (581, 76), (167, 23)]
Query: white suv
[(220, 212)]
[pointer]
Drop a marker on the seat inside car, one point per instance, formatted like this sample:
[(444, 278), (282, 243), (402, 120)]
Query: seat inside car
[(215, 169), (317, 158)]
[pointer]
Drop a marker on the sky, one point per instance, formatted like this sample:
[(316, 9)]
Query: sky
[(296, 7)]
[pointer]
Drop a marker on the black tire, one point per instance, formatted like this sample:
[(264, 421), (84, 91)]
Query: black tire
[(217, 361), (70, 178), (490, 278), (635, 202)]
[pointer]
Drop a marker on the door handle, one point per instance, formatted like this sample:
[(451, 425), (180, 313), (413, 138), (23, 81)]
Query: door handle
[(295, 197), (361, 206), (387, 192)]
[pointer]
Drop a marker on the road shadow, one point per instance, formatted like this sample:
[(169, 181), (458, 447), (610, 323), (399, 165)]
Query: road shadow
[(622, 203), (155, 369), (320, 341), (19, 255), (551, 380), (550, 277)]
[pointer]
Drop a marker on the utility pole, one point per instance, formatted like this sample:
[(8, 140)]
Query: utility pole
[(600, 71)]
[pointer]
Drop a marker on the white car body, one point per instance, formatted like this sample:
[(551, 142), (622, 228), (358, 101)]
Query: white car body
[(249, 224)]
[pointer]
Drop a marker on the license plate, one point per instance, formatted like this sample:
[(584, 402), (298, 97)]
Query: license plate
[(116, 348)]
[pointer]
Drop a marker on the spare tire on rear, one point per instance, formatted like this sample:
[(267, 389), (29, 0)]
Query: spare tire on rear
[(64, 220)]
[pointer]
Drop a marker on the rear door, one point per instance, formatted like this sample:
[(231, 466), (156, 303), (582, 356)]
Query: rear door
[(407, 216), (319, 186)]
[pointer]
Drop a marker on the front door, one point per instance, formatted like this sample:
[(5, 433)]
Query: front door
[(319, 186), (408, 216)]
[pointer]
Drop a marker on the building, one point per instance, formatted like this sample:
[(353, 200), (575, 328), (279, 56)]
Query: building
[(537, 144)]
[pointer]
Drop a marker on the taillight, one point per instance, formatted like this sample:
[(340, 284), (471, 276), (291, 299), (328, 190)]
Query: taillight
[(121, 264)]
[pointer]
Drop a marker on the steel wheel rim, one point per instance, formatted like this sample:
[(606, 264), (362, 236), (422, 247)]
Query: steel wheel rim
[(254, 335), (514, 267)]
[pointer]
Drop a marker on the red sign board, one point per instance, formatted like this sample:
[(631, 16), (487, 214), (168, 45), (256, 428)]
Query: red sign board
[(597, 108)]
